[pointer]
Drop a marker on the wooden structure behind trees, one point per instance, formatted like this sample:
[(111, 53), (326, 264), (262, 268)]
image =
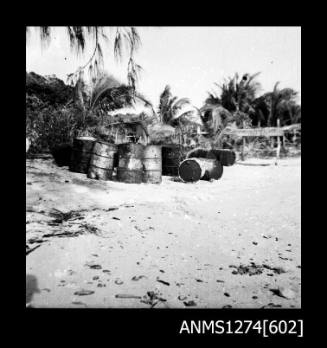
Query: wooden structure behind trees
[(269, 132)]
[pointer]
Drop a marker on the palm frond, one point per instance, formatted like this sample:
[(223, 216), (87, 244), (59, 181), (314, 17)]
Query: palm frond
[(45, 35), (102, 84)]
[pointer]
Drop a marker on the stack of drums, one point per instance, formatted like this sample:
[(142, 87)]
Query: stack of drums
[(171, 158), (102, 161), (81, 154), (152, 164), (130, 166), (194, 169)]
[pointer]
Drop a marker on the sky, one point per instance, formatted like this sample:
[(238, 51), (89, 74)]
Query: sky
[(189, 59)]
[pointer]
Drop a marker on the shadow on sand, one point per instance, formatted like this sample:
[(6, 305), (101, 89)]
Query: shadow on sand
[(31, 289)]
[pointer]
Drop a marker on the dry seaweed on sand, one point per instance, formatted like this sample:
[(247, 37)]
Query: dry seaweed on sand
[(152, 298), (29, 250), (254, 269)]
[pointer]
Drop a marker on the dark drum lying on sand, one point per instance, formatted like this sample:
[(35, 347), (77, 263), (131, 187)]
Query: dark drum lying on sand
[(194, 169), (130, 166), (102, 161), (81, 154), (224, 156)]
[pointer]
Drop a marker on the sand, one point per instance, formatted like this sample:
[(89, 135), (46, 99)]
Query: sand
[(233, 243)]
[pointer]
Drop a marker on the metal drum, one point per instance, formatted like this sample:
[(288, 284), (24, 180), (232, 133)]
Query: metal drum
[(81, 154), (130, 166), (152, 164), (102, 161)]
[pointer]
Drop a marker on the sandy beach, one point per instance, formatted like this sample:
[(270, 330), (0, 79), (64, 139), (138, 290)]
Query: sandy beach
[(233, 243)]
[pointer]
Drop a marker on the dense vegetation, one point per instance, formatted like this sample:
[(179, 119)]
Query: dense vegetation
[(56, 112)]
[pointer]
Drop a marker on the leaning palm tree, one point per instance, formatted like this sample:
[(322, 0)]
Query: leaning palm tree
[(122, 37), (106, 94), (170, 107)]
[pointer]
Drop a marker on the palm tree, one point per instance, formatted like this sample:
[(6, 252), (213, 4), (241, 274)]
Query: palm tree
[(170, 107), (106, 94), (281, 104), (238, 95), (233, 102), (121, 37)]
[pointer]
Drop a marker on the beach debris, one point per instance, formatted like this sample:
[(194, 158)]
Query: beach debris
[(118, 281), (255, 243), (78, 303), (93, 265), (111, 209), (61, 217), (254, 269), (163, 282), (136, 278), (152, 298), (62, 234), (182, 298), (284, 292), (272, 305), (283, 258), (277, 270), (106, 271), (227, 294), (95, 278), (83, 292), (90, 228), (199, 280), (127, 296), (220, 281), (190, 303), (227, 306), (115, 218)]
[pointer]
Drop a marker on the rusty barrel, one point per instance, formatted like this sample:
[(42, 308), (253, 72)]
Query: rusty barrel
[(152, 164), (225, 157), (194, 169), (81, 154), (172, 156), (130, 166), (102, 161)]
